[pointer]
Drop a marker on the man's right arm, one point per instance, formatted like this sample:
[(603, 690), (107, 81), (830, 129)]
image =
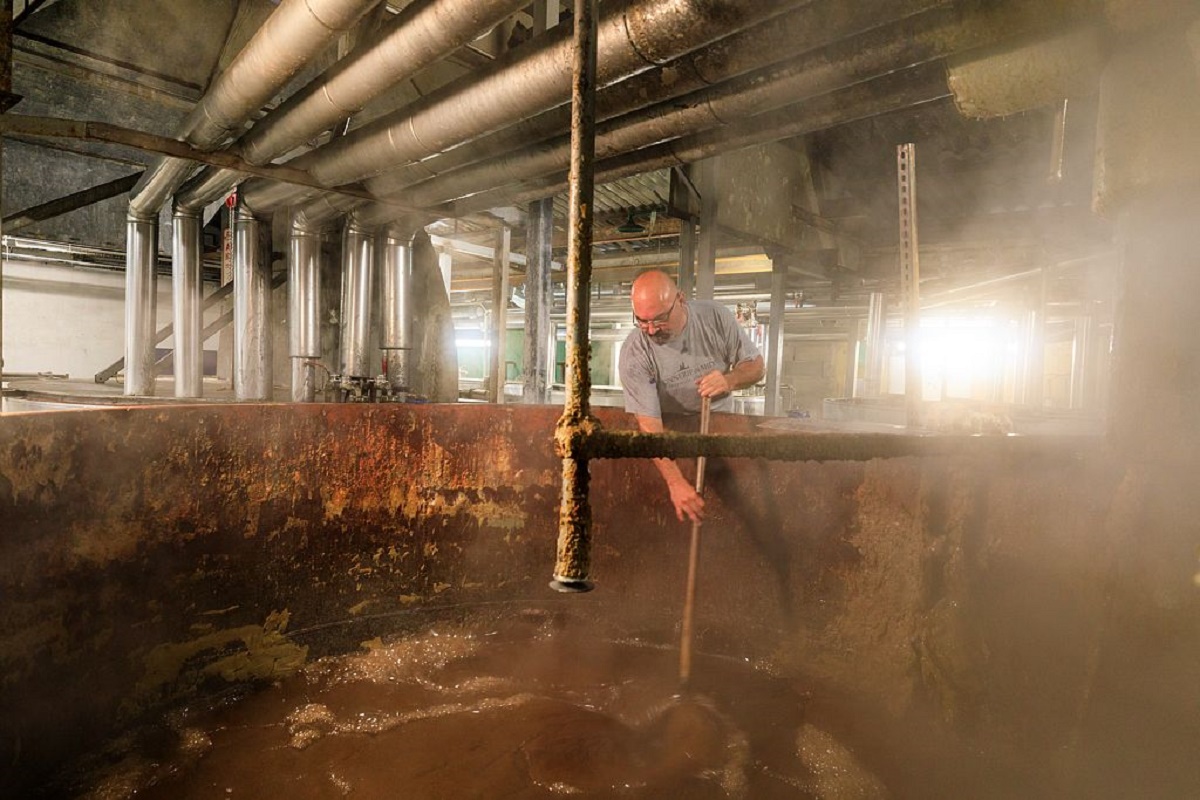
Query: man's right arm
[(683, 494)]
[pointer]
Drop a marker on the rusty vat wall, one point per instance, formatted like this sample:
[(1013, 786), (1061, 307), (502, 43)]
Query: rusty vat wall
[(1041, 611)]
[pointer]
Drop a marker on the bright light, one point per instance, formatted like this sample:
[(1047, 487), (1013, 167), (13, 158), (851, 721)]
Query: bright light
[(475, 344)]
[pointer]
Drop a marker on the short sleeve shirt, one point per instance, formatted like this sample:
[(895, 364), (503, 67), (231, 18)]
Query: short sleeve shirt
[(661, 378)]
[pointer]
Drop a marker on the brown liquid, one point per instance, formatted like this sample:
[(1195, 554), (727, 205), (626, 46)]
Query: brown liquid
[(532, 711)]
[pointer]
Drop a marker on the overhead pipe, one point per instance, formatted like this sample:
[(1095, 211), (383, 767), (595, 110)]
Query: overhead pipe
[(810, 26), (397, 341), (358, 262), (420, 35), (633, 36), (915, 40), (187, 293), (294, 33), (903, 89), (252, 375)]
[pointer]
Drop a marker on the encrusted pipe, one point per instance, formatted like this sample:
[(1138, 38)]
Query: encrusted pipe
[(573, 564)]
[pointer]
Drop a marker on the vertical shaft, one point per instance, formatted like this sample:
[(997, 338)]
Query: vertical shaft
[(910, 279), (186, 296), (687, 627), (575, 514)]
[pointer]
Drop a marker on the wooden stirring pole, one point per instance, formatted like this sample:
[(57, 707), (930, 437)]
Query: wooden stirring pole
[(689, 599)]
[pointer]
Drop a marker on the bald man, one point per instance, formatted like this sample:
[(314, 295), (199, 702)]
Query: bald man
[(681, 351)]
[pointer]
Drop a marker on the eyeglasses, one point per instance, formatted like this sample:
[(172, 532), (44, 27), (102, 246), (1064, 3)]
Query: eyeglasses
[(658, 321)]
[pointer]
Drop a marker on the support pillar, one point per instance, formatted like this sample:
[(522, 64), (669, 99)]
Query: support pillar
[(251, 308), (539, 329), (304, 311), (141, 303), (187, 297), (1148, 180), (499, 312)]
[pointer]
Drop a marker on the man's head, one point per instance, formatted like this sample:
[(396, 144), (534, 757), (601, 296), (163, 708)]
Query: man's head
[(658, 306)]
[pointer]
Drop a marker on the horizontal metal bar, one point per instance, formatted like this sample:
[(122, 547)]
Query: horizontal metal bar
[(805, 446)]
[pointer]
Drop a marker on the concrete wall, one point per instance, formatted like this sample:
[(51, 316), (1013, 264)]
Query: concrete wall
[(66, 319)]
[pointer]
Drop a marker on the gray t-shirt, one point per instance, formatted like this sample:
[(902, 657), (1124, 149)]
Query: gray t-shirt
[(661, 378)]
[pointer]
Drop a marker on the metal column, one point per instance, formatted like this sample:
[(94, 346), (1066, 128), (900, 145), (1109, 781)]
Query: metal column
[(141, 301), (771, 406), (187, 294), (539, 331), (499, 334), (706, 251), (252, 376), (304, 311), (910, 279), (687, 257), (876, 325), (358, 270), (572, 564), (397, 306)]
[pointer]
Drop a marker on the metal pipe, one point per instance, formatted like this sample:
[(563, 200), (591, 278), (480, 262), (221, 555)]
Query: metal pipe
[(358, 260), (187, 294), (304, 308), (499, 307), (539, 330), (295, 32), (397, 305), (141, 303), (810, 26), (902, 89), (876, 322), (420, 35), (633, 36), (914, 40), (573, 561), (687, 623), (252, 379)]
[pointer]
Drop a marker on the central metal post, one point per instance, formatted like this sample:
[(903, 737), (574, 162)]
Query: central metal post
[(910, 280), (575, 514)]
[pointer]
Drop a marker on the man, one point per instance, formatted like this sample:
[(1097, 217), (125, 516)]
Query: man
[(681, 351)]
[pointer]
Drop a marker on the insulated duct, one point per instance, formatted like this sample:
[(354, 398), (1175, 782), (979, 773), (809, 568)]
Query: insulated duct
[(899, 90), (397, 304), (418, 36), (358, 261), (251, 309), (914, 40), (186, 296), (633, 36), (809, 26), (304, 308)]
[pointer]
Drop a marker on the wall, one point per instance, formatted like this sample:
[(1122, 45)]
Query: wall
[(66, 319)]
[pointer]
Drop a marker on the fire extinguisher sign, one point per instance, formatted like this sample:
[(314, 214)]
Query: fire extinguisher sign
[(227, 239)]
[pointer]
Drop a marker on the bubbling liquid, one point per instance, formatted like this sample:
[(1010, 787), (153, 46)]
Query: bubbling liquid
[(530, 710)]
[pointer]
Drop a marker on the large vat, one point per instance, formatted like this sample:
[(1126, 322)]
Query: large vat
[(1035, 619)]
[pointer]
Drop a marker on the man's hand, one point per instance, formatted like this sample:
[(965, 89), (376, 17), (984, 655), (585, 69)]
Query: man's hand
[(686, 501), (714, 384)]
